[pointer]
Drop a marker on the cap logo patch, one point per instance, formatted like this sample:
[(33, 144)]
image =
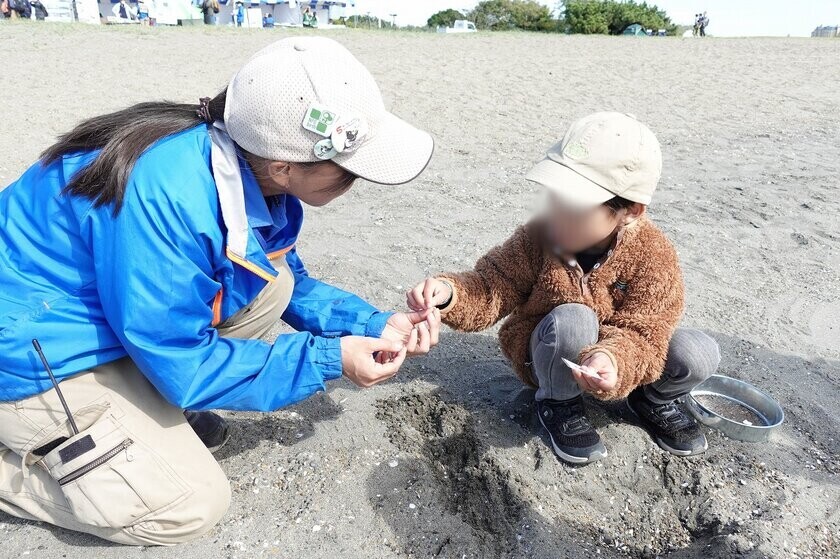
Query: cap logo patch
[(575, 150), (319, 120)]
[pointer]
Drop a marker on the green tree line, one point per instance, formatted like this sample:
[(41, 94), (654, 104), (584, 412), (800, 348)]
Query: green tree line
[(572, 16)]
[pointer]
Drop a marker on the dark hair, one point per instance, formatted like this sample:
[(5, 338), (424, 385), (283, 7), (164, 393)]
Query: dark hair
[(618, 203), (122, 137)]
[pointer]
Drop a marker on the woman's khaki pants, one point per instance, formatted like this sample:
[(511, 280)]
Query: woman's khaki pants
[(136, 474)]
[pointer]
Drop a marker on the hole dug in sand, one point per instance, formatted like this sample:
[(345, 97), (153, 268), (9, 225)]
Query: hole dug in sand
[(483, 488)]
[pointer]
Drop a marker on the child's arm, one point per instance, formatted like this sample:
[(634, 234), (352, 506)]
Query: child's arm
[(501, 280), (637, 336)]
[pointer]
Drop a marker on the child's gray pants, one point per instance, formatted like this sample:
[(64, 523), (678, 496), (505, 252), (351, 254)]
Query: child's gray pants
[(565, 331)]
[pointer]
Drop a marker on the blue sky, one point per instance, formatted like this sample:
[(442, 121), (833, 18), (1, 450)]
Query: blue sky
[(730, 18)]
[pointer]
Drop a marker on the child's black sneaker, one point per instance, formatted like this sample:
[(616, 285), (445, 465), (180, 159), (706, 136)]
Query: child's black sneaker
[(669, 425), (211, 428), (572, 436)]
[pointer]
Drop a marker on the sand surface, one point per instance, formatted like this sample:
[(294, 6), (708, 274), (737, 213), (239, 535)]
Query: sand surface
[(446, 461)]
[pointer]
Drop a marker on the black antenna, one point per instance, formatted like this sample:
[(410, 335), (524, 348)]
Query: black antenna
[(46, 363)]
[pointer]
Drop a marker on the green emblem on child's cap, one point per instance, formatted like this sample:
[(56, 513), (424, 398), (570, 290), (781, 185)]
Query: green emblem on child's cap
[(575, 150), (319, 120)]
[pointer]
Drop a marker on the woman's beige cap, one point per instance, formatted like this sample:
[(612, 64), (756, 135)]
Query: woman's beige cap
[(306, 99), (602, 156)]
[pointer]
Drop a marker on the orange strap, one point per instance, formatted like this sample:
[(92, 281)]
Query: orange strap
[(279, 253), (217, 308)]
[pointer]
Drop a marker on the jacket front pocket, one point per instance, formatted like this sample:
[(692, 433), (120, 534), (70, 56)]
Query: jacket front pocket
[(109, 479)]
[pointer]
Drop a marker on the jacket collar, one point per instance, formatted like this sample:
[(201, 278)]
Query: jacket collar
[(232, 179)]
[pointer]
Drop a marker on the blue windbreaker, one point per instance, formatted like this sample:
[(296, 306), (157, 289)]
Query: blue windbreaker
[(153, 282)]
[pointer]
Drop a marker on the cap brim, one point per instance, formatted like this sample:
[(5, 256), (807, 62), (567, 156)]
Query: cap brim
[(572, 189), (395, 153)]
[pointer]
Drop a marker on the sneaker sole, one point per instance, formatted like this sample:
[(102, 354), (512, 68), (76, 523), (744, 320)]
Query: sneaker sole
[(661, 443), (568, 457)]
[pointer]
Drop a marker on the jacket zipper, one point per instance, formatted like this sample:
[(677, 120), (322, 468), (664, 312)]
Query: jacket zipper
[(76, 474)]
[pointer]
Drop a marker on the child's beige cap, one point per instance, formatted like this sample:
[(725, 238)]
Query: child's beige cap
[(602, 155)]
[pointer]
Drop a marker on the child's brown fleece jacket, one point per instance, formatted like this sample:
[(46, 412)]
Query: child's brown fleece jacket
[(636, 291)]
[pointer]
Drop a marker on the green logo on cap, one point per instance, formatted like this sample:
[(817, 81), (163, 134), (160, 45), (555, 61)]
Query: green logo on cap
[(575, 151), (319, 120)]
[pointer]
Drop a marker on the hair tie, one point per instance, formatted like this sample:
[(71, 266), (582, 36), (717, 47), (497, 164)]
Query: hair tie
[(203, 110)]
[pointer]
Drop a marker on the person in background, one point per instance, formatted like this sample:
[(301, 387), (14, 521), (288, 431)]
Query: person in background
[(142, 12), (40, 10), (309, 19), (123, 10), (210, 8), (21, 9), (240, 14), (268, 21), (704, 22)]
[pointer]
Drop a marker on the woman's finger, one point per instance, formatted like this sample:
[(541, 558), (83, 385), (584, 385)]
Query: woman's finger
[(388, 370), (434, 327), (424, 341), (411, 344)]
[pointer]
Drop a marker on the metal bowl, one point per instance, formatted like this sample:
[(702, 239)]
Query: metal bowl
[(738, 409)]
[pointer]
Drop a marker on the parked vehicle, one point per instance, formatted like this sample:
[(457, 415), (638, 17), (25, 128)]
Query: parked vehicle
[(460, 26)]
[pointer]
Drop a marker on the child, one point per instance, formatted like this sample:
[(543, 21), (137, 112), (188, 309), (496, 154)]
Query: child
[(595, 282)]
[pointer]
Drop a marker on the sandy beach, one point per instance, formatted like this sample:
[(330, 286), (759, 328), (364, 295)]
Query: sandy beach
[(446, 460)]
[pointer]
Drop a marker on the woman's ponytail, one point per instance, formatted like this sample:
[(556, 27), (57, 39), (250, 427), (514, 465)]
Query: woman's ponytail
[(122, 137)]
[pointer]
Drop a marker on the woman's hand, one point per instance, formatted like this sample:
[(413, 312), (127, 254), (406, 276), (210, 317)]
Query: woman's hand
[(361, 359), (602, 364), (428, 294), (419, 331)]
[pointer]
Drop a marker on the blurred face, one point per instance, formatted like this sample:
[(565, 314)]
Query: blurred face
[(574, 230), (314, 184)]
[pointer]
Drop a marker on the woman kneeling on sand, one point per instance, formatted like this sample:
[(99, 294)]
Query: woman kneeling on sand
[(148, 252)]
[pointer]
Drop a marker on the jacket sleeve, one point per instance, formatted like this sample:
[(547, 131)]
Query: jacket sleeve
[(637, 336), (501, 281), (325, 310), (154, 274)]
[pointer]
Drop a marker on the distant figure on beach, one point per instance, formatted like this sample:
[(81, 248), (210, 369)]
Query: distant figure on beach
[(268, 21), (696, 30), (143, 12), (209, 8), (309, 19), (40, 10), (123, 10), (704, 22), (240, 14), (18, 9), (593, 294)]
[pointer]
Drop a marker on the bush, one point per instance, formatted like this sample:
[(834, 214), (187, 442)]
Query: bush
[(500, 15), (611, 16), (445, 18)]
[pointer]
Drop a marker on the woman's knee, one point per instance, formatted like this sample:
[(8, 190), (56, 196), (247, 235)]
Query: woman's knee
[(192, 517), (693, 353)]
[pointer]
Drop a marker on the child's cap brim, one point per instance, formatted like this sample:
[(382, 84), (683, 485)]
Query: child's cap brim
[(571, 188)]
